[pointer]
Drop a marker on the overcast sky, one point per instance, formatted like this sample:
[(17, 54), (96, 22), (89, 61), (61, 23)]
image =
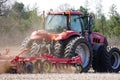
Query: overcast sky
[(53, 4)]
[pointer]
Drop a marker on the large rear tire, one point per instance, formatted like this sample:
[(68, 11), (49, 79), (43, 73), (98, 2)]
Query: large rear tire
[(59, 47), (115, 58), (80, 46)]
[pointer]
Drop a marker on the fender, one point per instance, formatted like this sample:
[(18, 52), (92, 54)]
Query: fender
[(65, 35)]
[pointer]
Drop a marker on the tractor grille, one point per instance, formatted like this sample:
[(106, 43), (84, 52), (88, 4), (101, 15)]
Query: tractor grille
[(96, 40)]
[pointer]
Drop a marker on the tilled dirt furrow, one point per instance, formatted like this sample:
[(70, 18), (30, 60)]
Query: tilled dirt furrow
[(56, 76)]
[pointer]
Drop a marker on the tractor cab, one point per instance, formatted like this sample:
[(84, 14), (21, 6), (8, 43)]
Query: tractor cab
[(57, 22)]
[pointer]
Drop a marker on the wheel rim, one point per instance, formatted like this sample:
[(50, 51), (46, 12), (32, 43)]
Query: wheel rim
[(80, 68), (83, 50), (115, 60), (46, 66)]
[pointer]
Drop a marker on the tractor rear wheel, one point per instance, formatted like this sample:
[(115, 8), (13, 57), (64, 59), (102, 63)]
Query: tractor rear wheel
[(80, 46), (115, 58), (59, 47)]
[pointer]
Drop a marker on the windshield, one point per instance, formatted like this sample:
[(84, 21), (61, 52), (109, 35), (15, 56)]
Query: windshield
[(56, 23)]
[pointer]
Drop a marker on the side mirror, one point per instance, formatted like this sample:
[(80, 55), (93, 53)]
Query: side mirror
[(91, 14)]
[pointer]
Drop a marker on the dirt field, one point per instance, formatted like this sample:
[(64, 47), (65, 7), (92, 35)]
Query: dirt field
[(82, 76), (55, 76)]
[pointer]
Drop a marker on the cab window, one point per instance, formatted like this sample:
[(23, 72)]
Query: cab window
[(75, 23)]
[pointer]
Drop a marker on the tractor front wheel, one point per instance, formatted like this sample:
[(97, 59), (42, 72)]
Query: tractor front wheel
[(115, 59)]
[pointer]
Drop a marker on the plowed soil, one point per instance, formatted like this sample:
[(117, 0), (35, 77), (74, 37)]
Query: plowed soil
[(56, 76)]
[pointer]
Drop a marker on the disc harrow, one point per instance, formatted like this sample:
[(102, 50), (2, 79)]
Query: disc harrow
[(44, 63)]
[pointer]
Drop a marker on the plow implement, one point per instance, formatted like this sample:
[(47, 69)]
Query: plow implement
[(42, 63)]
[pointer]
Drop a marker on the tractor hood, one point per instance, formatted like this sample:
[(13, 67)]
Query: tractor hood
[(40, 34), (43, 35)]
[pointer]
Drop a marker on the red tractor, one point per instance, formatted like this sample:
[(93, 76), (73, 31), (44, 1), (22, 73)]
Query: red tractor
[(66, 35)]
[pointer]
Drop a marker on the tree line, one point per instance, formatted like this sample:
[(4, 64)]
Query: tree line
[(21, 19), (18, 18)]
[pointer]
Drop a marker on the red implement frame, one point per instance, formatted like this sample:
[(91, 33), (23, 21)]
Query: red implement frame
[(51, 58), (45, 56)]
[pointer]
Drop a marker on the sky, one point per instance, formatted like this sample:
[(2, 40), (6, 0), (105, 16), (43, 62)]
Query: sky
[(53, 4)]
